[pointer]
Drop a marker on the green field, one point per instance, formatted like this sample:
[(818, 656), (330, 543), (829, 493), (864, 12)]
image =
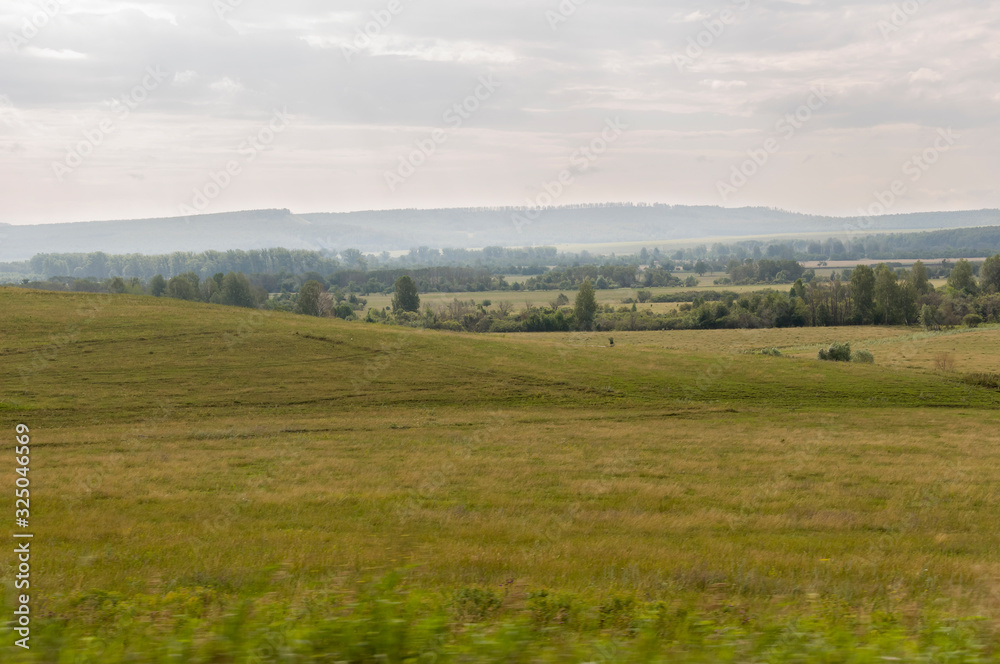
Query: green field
[(213, 484)]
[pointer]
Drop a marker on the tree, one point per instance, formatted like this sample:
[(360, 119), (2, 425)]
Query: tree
[(701, 267), (307, 301), (236, 291), (405, 297), (962, 279), (918, 277), (184, 286), (585, 305), (863, 293), (158, 286), (886, 295), (989, 275)]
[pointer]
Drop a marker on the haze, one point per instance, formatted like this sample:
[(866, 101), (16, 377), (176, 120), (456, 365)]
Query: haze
[(142, 109)]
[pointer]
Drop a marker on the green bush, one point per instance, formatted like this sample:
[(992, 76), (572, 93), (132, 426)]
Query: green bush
[(863, 356), (474, 605), (836, 353), (973, 320)]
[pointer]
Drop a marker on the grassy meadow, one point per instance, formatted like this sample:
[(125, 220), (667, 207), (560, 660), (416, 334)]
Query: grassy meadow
[(615, 296), (213, 484)]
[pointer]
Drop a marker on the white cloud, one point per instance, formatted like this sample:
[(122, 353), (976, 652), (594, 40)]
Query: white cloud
[(925, 75)]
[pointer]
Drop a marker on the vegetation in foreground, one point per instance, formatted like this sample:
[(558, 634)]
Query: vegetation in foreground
[(225, 485)]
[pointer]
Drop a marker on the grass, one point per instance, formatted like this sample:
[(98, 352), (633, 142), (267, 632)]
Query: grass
[(213, 485)]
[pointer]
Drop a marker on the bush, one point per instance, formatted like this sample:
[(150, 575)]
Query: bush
[(973, 320), (863, 356), (475, 604), (836, 353), (772, 352)]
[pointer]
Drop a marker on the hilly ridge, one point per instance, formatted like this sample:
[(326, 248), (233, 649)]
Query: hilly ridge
[(400, 230)]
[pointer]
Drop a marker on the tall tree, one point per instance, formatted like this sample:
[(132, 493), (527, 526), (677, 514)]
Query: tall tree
[(236, 291), (307, 301), (918, 277), (405, 297), (585, 306), (158, 286), (863, 293), (989, 275), (962, 278)]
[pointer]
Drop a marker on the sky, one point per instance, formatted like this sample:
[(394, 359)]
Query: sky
[(115, 110)]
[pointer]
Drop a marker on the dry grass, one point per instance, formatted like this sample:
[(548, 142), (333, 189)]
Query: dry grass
[(181, 445)]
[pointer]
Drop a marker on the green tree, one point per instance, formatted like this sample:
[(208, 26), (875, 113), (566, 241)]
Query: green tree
[(701, 267), (962, 278), (929, 317), (183, 286), (405, 297), (117, 286), (307, 301), (863, 293), (585, 306), (236, 291), (989, 275), (918, 277), (886, 296)]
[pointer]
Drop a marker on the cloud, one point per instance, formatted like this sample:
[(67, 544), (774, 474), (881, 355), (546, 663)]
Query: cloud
[(925, 75), (228, 72)]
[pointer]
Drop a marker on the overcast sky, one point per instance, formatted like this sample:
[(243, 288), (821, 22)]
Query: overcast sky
[(138, 109)]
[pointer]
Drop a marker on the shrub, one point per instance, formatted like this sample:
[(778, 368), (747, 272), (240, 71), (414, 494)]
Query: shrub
[(548, 609), (973, 320), (836, 353), (772, 352), (944, 361), (475, 604), (863, 356)]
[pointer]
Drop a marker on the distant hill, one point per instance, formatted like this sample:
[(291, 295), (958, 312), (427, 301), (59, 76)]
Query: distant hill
[(390, 230)]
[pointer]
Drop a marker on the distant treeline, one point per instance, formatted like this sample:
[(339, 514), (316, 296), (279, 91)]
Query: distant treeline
[(549, 267), (99, 265)]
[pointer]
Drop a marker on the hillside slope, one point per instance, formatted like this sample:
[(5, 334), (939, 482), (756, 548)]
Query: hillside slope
[(208, 482)]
